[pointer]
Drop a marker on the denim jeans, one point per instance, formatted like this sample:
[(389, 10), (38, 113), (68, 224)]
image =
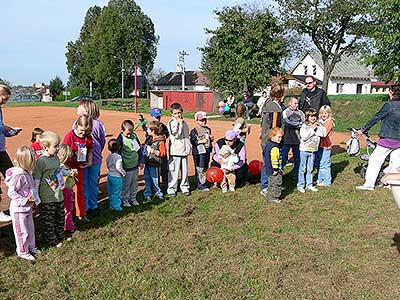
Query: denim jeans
[(264, 176), (296, 158), (249, 106), (323, 157), (305, 169), (151, 180), (91, 186)]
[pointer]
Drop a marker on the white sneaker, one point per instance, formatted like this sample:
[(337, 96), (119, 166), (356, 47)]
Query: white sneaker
[(365, 188), (301, 190), (35, 251), (126, 204), (323, 184), (224, 189), (232, 188), (275, 201), (312, 188), (263, 192), (4, 217), (27, 256), (134, 202)]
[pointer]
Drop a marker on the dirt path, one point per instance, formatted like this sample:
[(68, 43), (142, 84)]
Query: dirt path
[(60, 119)]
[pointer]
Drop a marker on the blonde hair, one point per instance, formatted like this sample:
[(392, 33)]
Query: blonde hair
[(25, 158), (325, 108), (64, 153), (5, 90), (275, 131), (48, 138), (91, 107), (86, 122)]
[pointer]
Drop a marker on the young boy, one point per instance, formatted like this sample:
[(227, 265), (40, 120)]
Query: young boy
[(273, 165), (201, 140), (132, 161), (50, 182), (155, 150), (179, 149), (115, 175)]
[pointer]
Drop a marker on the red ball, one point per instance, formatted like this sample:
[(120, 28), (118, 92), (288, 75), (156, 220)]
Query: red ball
[(214, 174), (255, 167)]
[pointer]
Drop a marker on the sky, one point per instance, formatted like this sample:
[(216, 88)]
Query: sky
[(35, 33)]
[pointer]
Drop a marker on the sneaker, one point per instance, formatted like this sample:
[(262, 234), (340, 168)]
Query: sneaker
[(301, 190), (27, 256), (205, 190), (187, 194), (312, 188), (161, 196), (126, 204), (84, 219), (224, 189), (365, 188), (172, 195), (134, 202), (263, 192), (232, 188), (275, 201), (323, 184), (147, 199), (35, 251), (4, 217), (59, 245)]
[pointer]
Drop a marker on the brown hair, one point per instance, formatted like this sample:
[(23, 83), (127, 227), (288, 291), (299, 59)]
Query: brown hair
[(277, 92), (91, 108), (310, 113), (86, 122), (395, 89), (35, 132), (113, 145), (274, 131), (155, 126), (5, 90), (126, 122), (177, 106), (240, 110)]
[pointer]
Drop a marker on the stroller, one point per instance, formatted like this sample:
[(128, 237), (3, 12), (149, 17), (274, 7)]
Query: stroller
[(353, 149)]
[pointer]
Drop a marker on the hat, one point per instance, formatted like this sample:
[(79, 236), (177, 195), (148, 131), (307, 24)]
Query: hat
[(200, 115), (230, 134), (156, 112)]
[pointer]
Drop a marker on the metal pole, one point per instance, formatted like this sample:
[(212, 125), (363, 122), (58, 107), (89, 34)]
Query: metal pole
[(136, 90), (122, 79)]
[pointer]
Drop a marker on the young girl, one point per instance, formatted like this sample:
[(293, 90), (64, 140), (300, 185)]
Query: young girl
[(89, 107), (132, 160), (156, 150), (240, 126), (20, 190), (65, 154), (323, 155), (81, 143), (310, 133), (115, 175), (227, 159), (36, 132)]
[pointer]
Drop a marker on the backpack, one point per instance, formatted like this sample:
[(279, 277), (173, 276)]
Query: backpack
[(353, 145)]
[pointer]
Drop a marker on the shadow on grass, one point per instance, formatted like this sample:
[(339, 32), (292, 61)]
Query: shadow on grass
[(338, 167), (396, 241)]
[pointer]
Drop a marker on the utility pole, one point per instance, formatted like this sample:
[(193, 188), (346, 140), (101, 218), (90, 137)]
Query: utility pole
[(122, 75), (182, 55)]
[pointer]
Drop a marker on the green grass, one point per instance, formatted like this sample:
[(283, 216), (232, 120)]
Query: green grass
[(338, 243)]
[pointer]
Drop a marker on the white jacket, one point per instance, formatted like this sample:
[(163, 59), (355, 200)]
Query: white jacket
[(179, 139), (309, 137)]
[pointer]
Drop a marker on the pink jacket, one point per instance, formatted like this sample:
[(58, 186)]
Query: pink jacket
[(20, 188)]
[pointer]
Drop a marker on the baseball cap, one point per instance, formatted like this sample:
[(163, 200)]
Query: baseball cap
[(156, 112), (200, 115)]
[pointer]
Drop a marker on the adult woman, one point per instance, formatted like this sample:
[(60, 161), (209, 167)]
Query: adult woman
[(389, 138), (232, 140), (248, 103)]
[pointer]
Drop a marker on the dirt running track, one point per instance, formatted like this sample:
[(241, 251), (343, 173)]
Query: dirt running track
[(60, 119)]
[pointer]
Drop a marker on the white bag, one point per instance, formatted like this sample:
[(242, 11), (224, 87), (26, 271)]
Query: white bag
[(353, 145)]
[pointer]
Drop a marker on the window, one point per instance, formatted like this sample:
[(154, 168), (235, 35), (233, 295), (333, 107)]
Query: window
[(339, 88), (305, 70), (314, 70), (359, 88)]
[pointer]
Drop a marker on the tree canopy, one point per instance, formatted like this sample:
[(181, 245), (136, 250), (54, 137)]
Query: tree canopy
[(336, 27), (118, 30), (56, 86), (245, 50)]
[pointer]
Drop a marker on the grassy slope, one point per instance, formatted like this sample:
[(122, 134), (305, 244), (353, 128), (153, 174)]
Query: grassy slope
[(338, 243)]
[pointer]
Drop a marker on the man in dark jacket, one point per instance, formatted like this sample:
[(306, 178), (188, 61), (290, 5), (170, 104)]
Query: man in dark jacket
[(312, 96)]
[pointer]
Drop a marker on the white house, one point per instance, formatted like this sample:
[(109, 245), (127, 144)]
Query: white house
[(194, 81), (348, 76)]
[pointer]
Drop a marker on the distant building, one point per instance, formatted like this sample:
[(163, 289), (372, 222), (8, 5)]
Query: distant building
[(194, 81), (348, 76)]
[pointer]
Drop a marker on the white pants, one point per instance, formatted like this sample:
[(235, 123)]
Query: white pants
[(376, 161), (175, 164)]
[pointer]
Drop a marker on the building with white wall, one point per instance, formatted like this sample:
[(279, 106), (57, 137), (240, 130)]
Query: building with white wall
[(194, 81), (348, 76)]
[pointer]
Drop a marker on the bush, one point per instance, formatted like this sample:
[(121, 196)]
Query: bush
[(76, 91)]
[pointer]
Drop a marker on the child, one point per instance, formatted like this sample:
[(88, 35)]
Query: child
[(50, 183), (81, 143), (115, 175), (91, 173), (310, 133), (20, 190), (36, 132), (155, 151), (132, 161), (240, 126), (64, 155), (323, 155), (227, 159), (273, 165), (201, 140), (179, 149)]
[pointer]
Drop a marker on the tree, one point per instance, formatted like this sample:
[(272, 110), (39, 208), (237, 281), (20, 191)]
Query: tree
[(56, 86), (155, 75), (334, 26), (245, 50), (384, 31), (118, 30)]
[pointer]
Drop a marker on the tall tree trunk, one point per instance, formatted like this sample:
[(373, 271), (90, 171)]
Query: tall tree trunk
[(328, 68)]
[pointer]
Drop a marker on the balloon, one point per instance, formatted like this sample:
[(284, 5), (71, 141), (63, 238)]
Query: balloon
[(221, 110), (227, 108), (221, 104), (255, 167), (214, 174)]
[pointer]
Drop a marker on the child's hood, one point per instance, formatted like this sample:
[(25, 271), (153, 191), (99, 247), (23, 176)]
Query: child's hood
[(12, 175)]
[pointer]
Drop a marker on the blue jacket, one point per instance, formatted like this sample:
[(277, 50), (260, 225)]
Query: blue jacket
[(390, 116)]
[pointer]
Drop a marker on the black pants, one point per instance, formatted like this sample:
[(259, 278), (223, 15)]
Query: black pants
[(5, 163)]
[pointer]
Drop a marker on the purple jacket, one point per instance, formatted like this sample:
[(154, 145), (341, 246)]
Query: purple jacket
[(238, 147), (20, 188), (99, 140)]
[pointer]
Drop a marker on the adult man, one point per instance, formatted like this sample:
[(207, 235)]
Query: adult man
[(312, 96), (389, 139)]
